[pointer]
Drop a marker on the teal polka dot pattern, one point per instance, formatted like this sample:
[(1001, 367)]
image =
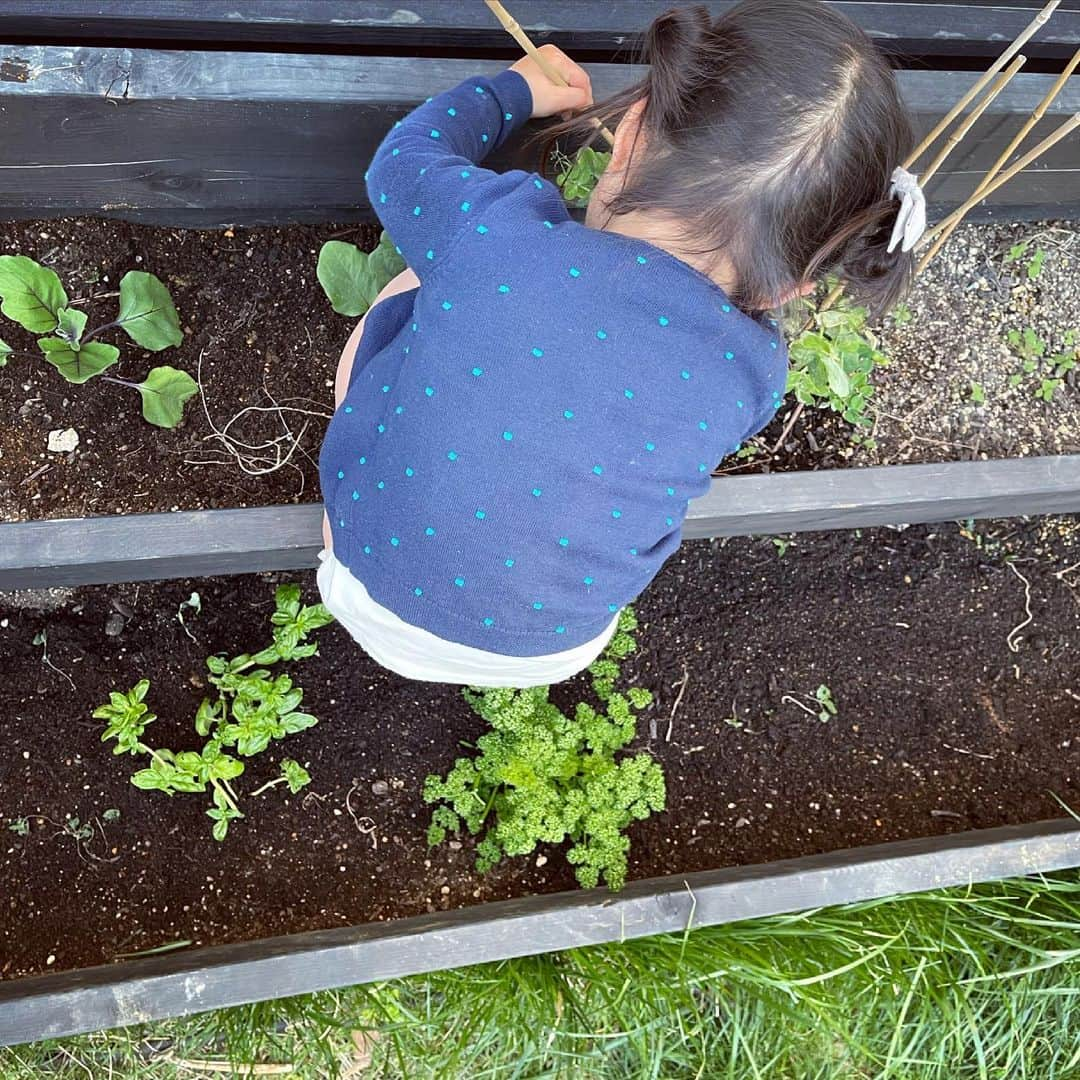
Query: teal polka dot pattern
[(599, 439)]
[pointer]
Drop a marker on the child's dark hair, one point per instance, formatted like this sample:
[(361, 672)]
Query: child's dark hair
[(771, 134)]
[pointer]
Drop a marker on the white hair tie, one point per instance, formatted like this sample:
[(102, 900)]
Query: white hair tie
[(911, 219)]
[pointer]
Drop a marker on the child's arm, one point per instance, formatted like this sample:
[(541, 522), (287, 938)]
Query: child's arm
[(424, 183)]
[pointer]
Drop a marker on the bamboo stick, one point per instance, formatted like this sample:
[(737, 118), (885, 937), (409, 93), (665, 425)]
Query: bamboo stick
[(1050, 141), (1007, 153), (969, 121), (1025, 35), (510, 25)]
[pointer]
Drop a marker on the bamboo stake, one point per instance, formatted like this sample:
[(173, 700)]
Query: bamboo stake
[(1050, 141), (969, 121), (1026, 34), (1007, 153), (510, 25)]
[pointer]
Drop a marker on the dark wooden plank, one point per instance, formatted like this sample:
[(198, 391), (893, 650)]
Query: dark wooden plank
[(597, 26), (243, 138), (177, 984), (139, 547)]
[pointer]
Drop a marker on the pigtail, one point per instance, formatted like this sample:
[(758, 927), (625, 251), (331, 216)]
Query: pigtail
[(859, 253)]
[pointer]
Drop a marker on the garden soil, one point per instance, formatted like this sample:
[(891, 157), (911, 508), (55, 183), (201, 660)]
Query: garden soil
[(956, 711), (262, 340)]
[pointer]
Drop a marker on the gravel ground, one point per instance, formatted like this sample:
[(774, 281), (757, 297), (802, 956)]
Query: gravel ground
[(961, 312)]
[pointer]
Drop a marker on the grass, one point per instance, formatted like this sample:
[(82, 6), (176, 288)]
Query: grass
[(962, 984)]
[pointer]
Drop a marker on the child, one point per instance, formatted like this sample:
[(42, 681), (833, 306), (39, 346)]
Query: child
[(525, 413)]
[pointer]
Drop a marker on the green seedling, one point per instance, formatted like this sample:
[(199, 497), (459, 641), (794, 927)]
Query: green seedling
[(20, 826), (1035, 265), (351, 278), (823, 696), (33, 296), (833, 361), (192, 603), (577, 178), (541, 776), (977, 394), (251, 710), (781, 544), (292, 773), (1049, 370), (901, 314)]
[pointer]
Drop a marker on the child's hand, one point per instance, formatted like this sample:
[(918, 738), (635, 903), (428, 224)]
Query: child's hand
[(549, 99)]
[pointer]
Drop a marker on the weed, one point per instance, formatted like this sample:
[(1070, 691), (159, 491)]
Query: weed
[(1050, 371), (544, 777), (781, 544), (1034, 266), (33, 297), (19, 826), (901, 314), (824, 698), (251, 710), (977, 394)]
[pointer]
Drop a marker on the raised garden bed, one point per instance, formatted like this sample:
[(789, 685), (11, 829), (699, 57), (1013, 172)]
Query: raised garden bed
[(958, 734), (962, 724)]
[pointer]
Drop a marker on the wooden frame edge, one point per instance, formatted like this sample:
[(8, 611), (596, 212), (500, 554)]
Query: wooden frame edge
[(140, 547), (178, 984)]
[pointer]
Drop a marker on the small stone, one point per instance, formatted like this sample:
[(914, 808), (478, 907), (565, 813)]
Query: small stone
[(445, 890), (63, 440), (541, 860), (741, 823), (380, 787), (455, 845), (114, 624)]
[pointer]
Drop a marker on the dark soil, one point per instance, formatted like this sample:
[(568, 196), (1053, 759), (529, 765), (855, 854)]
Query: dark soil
[(260, 334), (942, 727)]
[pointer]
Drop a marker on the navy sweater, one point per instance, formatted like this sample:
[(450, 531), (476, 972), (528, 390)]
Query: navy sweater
[(514, 455)]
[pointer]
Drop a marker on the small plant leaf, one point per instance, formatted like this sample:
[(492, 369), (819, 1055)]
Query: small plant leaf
[(164, 392), (70, 324), (345, 274), (77, 367), (5, 351), (296, 776), (32, 294), (384, 264), (147, 314)]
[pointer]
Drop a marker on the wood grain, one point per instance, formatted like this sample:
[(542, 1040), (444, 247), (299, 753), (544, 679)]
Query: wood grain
[(181, 983), (216, 138)]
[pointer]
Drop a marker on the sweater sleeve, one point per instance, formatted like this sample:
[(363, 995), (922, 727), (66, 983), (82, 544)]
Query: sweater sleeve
[(424, 182)]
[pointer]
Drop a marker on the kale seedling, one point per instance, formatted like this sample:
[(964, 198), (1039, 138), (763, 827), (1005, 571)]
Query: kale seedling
[(33, 297), (541, 776), (352, 278), (250, 710)]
